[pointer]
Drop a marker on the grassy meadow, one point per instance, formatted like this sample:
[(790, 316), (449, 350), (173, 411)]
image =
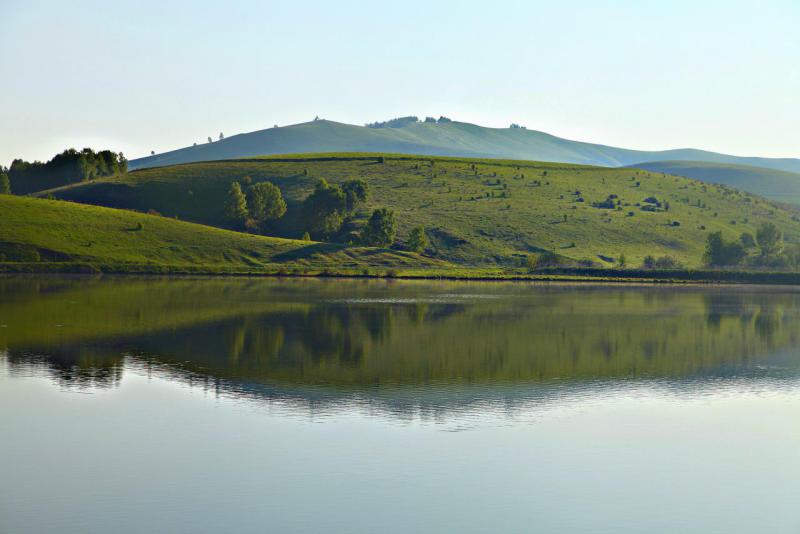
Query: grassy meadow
[(477, 212), (50, 232)]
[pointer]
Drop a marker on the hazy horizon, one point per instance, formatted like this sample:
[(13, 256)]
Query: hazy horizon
[(716, 77)]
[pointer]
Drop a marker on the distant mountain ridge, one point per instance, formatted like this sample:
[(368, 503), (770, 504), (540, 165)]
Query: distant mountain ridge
[(444, 138)]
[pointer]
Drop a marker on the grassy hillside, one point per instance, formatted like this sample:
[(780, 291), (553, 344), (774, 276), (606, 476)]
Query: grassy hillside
[(37, 230), (477, 212), (774, 184), (443, 139)]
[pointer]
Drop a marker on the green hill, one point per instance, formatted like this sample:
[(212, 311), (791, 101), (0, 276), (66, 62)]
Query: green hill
[(38, 230), (476, 211), (777, 185), (445, 138)]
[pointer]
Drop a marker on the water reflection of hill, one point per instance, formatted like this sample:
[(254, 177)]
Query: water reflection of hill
[(318, 341)]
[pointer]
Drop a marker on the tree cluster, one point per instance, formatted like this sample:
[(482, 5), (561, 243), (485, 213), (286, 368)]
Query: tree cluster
[(768, 243), (67, 167), (262, 203)]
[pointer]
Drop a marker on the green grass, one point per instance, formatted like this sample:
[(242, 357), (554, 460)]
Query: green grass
[(465, 226), (770, 183), (51, 235)]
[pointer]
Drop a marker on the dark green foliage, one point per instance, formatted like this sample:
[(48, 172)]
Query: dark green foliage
[(265, 202), (663, 262), (719, 253), (769, 239), (355, 192), (417, 240), (67, 167), (380, 229), (324, 209), (5, 184), (544, 260), (306, 237), (747, 240), (236, 204)]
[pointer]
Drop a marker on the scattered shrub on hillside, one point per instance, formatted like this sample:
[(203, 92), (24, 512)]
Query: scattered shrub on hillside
[(305, 237), (380, 229)]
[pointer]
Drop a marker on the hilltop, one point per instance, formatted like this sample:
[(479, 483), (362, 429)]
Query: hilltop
[(774, 184), (442, 138), (477, 212), (48, 231)]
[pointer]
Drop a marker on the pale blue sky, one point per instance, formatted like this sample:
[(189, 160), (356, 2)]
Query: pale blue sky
[(139, 76)]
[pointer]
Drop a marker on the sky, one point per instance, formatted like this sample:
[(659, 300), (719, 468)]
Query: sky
[(136, 76)]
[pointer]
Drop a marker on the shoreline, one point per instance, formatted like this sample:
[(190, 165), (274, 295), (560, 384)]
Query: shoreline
[(466, 274)]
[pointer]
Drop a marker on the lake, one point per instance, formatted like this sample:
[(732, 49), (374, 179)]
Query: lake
[(134, 405)]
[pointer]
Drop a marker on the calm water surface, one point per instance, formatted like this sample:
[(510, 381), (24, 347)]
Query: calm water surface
[(204, 405)]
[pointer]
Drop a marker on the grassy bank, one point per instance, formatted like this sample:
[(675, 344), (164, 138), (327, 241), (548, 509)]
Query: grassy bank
[(38, 235)]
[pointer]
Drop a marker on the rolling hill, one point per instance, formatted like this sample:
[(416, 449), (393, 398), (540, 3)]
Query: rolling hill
[(774, 184), (49, 231), (448, 138), (477, 212)]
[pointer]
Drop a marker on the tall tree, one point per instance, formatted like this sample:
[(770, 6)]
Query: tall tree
[(5, 184), (380, 229), (417, 240), (719, 253), (236, 204), (324, 209), (355, 192), (265, 202), (769, 239)]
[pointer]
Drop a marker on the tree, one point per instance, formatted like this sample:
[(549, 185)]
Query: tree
[(417, 240), (747, 240), (236, 204), (622, 261), (209, 139), (5, 184), (380, 229), (265, 202), (221, 137), (720, 253), (306, 237), (355, 192), (769, 239), (324, 208)]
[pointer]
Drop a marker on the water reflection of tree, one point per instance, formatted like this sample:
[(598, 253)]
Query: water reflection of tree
[(79, 366)]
